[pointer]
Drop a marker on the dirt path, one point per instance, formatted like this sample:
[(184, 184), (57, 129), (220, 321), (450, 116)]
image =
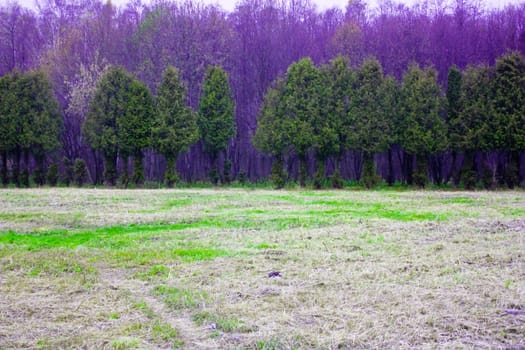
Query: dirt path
[(193, 336)]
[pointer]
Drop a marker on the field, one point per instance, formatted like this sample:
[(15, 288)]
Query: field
[(258, 269)]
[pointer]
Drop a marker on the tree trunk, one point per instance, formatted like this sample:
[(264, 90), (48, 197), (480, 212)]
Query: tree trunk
[(138, 169), (16, 167), (25, 172), (110, 169), (5, 175), (390, 176), (303, 173)]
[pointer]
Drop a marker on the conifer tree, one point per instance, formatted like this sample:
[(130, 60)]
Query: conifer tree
[(216, 115), (175, 128)]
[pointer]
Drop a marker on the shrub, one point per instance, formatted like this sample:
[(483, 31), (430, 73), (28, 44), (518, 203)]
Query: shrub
[(80, 171), (52, 174)]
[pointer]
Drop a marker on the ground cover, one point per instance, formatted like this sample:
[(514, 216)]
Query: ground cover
[(189, 268)]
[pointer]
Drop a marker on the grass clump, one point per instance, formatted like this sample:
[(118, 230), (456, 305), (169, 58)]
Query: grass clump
[(125, 343), (222, 323), (177, 298)]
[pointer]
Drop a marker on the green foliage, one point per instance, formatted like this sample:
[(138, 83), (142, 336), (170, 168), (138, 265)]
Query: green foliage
[(370, 113), (423, 131), (216, 111), (175, 128), (30, 122), (470, 131), (227, 171), (52, 174), (273, 124), (370, 177), (420, 174), (508, 129), (319, 176), (278, 175), (337, 100), (302, 98), (120, 121), (80, 172), (100, 128), (69, 171), (454, 107), (336, 179)]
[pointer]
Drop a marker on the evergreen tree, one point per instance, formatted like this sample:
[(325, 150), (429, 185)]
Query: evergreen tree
[(509, 102), (109, 103), (46, 120), (30, 123), (216, 114), (134, 128), (454, 114), (339, 80), (302, 99), (423, 130), (175, 128), (470, 131), (7, 122), (272, 136), (370, 126)]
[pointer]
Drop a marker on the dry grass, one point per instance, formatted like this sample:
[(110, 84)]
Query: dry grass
[(378, 269)]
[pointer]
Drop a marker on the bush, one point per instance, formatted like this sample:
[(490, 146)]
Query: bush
[(319, 177), (138, 171), (52, 174), (512, 175), (278, 175), (370, 177), (80, 171), (242, 177), (69, 171), (214, 176), (420, 175), (227, 171), (336, 179)]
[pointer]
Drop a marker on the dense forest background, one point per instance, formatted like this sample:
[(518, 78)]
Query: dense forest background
[(74, 42)]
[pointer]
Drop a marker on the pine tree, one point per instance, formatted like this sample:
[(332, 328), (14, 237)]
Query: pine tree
[(175, 128), (216, 114)]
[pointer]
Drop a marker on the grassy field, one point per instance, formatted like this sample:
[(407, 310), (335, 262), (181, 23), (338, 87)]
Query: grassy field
[(157, 269)]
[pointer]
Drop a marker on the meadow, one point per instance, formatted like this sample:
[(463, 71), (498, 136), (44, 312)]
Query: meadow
[(261, 269)]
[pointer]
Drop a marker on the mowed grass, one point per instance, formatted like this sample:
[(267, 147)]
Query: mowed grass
[(149, 269)]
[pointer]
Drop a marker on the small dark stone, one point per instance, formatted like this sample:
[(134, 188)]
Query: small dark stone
[(274, 274)]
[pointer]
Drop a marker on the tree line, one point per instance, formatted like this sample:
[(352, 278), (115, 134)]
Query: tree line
[(74, 43), (327, 110), (123, 120), (311, 115)]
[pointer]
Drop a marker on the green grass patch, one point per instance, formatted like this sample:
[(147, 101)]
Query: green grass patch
[(177, 298), (222, 323)]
